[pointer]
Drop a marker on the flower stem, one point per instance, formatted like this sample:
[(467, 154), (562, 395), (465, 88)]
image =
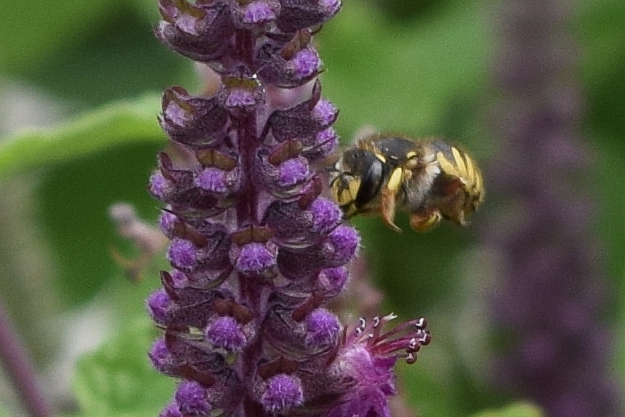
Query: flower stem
[(20, 369)]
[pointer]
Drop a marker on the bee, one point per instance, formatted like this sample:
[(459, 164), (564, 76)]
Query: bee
[(430, 178)]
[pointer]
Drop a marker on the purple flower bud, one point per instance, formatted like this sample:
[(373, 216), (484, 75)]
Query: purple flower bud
[(255, 258), (326, 215), (258, 12), (225, 332), (304, 64), (242, 99), (179, 279), (282, 393), (299, 14), (212, 179), (182, 254), (342, 245), (160, 187), (201, 32), (162, 359), (293, 171), (322, 328), (192, 399), (325, 112), (167, 222), (193, 121), (305, 120), (321, 146), (332, 280), (330, 7), (295, 70), (160, 306)]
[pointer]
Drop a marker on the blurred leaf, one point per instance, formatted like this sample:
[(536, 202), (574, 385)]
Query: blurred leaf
[(404, 78), (34, 31), (118, 380), (515, 410), (116, 124), (119, 58), (430, 395), (76, 198)]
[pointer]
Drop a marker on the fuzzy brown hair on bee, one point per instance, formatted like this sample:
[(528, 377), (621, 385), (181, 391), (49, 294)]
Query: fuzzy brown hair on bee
[(429, 178)]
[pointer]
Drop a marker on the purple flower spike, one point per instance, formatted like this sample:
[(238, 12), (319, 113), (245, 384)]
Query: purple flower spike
[(256, 252), (551, 286), (282, 393)]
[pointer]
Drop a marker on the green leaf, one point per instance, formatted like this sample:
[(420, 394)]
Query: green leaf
[(123, 122), (118, 379), (515, 410)]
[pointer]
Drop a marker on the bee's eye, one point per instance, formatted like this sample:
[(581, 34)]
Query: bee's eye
[(371, 182)]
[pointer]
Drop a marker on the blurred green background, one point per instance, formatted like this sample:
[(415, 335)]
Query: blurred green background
[(79, 93)]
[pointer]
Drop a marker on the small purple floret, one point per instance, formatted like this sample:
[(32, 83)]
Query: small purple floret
[(332, 280), (162, 358), (192, 399), (182, 253), (293, 171), (159, 186), (331, 6), (326, 215), (159, 304), (343, 243), (225, 332), (167, 222), (283, 392), (212, 179), (305, 63), (239, 98), (322, 328), (179, 279), (255, 258), (258, 12), (325, 112), (327, 138)]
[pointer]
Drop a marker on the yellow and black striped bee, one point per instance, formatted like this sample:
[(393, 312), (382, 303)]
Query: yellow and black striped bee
[(429, 178)]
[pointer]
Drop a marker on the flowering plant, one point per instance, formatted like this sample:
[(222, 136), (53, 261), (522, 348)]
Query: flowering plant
[(256, 251)]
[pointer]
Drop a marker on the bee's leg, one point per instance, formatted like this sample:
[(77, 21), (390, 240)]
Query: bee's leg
[(424, 219), (389, 199)]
